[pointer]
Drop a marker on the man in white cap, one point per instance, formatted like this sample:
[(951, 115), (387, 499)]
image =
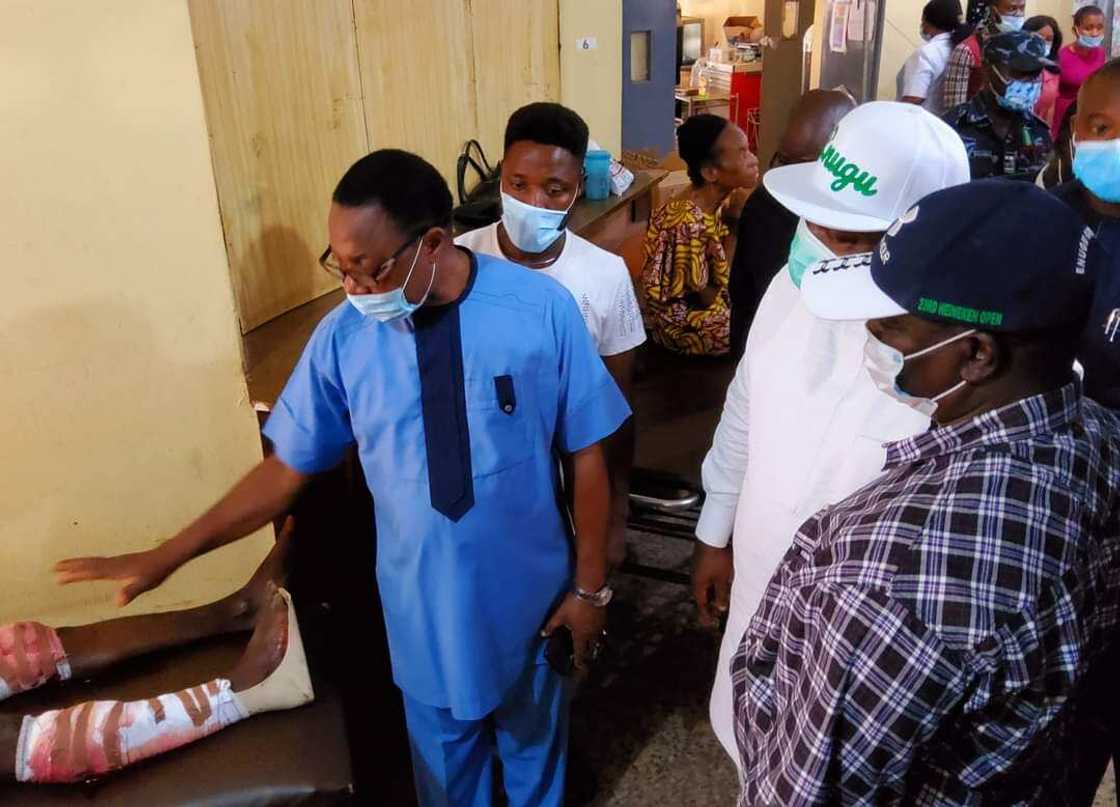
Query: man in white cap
[(803, 425)]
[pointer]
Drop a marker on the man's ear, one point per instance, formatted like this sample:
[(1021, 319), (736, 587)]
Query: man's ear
[(435, 240), (987, 358)]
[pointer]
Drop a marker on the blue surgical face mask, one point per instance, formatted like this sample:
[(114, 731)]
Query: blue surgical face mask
[(805, 250), (532, 229), (392, 305), (884, 364), (1097, 164), (1090, 41), (1011, 23), (1019, 95)]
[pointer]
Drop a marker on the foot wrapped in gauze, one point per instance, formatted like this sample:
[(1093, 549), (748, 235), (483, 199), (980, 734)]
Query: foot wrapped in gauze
[(30, 655), (98, 737), (289, 685)]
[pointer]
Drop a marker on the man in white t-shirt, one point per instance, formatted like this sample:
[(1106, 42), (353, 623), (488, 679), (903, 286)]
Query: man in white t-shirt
[(542, 175), (803, 425)]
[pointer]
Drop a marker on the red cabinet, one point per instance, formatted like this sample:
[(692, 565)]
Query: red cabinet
[(744, 82)]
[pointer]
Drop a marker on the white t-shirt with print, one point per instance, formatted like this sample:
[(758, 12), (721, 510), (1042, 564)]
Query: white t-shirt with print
[(596, 278)]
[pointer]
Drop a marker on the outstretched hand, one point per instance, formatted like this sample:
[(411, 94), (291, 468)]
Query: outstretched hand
[(140, 572)]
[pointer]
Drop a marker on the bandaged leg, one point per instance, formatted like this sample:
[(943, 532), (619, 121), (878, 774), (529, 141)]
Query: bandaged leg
[(31, 654), (98, 737)]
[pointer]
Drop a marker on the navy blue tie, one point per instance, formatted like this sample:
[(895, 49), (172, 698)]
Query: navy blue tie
[(439, 354)]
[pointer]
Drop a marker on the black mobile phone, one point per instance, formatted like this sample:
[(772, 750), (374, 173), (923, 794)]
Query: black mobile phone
[(560, 651)]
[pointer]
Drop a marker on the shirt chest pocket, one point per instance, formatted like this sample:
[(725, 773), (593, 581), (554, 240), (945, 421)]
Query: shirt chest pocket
[(498, 421)]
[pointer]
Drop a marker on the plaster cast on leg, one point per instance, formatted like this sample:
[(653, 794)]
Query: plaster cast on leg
[(98, 737), (31, 654)]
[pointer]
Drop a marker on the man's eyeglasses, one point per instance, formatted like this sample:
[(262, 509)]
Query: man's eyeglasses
[(331, 265)]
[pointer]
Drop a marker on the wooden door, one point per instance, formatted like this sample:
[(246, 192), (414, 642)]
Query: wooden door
[(284, 109)]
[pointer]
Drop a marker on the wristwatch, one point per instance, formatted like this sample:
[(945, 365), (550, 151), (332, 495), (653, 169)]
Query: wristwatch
[(599, 598)]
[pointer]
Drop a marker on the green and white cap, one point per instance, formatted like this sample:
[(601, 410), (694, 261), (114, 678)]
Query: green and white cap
[(881, 160)]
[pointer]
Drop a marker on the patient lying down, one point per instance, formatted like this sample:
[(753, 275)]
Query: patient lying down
[(97, 737)]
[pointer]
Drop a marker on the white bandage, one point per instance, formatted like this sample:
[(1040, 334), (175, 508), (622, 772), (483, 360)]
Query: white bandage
[(97, 737)]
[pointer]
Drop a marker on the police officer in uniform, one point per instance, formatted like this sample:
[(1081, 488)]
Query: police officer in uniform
[(1000, 131)]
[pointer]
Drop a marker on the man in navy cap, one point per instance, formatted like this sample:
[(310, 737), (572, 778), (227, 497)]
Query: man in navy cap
[(1000, 131), (925, 640)]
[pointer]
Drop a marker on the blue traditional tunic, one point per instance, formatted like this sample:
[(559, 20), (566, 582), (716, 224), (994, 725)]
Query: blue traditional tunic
[(463, 407)]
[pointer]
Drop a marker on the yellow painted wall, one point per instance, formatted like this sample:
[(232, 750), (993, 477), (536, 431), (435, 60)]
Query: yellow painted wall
[(715, 12), (591, 80), (900, 39), (123, 407)]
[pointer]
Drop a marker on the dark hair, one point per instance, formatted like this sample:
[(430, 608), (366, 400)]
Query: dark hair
[(1036, 24), (1059, 169), (696, 138), (1086, 11), (408, 188), (962, 33), (1109, 71), (944, 15), (550, 125)]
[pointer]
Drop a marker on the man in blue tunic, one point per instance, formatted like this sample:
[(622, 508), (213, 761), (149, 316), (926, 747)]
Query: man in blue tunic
[(459, 377)]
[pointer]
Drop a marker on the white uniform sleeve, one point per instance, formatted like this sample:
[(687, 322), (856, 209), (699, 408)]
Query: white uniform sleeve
[(917, 76), (726, 463), (622, 326)]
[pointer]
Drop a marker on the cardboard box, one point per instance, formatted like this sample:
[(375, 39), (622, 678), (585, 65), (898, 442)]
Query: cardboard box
[(742, 29)]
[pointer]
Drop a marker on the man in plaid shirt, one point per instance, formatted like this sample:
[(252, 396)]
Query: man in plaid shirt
[(964, 76), (924, 641)]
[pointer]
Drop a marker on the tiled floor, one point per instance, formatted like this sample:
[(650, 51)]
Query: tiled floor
[(640, 726)]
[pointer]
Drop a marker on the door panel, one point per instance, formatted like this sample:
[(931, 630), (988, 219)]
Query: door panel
[(781, 72), (647, 86)]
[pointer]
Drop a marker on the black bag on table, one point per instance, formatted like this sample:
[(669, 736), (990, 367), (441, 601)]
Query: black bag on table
[(482, 204)]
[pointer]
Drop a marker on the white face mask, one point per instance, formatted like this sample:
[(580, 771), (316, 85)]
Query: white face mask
[(532, 229), (884, 363), (392, 305), (1011, 23)]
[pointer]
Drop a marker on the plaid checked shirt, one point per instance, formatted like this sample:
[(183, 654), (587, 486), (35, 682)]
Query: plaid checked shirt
[(962, 63), (923, 641)]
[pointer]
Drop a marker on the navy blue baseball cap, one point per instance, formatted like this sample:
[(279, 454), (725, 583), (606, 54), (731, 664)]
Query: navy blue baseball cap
[(995, 255), (1024, 51)]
